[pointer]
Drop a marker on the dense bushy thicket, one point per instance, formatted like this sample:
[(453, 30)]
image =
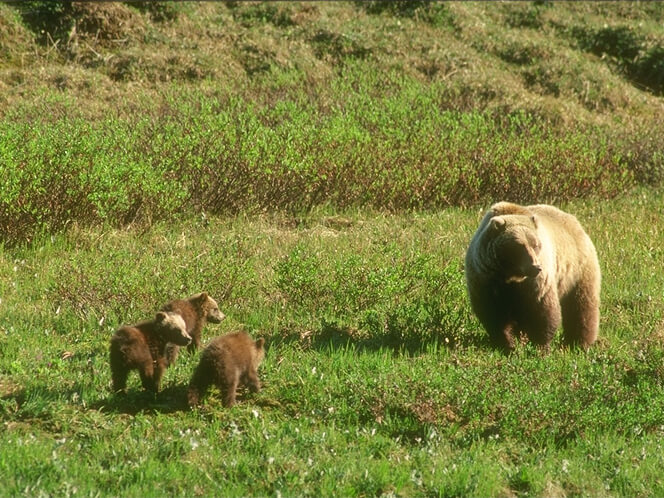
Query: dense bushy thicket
[(228, 155)]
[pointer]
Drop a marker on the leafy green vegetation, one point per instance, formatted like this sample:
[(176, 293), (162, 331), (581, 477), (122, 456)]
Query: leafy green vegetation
[(148, 111)]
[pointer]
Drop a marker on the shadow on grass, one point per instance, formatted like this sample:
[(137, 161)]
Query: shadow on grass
[(170, 400), (332, 336)]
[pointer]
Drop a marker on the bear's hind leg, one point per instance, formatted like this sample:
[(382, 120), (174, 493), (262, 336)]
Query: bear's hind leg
[(198, 385), (119, 375)]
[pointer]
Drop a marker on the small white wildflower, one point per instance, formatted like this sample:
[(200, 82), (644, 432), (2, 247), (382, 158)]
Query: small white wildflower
[(416, 477), (565, 467), (254, 413)]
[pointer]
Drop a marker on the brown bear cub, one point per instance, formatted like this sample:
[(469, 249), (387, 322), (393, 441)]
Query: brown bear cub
[(196, 311), (226, 362), (142, 347), (529, 269)]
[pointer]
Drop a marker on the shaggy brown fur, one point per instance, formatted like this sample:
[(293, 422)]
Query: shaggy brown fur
[(196, 310), (226, 362), (527, 269), (142, 347)]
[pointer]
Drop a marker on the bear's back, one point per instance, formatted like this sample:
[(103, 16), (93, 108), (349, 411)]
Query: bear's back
[(131, 344), (231, 352)]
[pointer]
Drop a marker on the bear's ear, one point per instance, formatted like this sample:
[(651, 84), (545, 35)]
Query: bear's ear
[(497, 224), (259, 343), (161, 316), (203, 296)]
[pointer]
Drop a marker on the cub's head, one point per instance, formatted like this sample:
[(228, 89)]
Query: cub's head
[(209, 307), (173, 328), (260, 351), (513, 245)]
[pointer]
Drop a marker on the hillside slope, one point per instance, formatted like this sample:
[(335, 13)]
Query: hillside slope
[(569, 61)]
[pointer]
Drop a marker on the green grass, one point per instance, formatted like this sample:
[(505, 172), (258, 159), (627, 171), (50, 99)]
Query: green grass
[(377, 378)]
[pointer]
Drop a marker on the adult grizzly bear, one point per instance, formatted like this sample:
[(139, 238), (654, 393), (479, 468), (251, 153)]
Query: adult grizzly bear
[(142, 347), (196, 311), (226, 362), (528, 268)]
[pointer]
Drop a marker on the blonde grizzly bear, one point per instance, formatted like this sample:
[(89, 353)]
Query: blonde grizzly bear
[(142, 347), (196, 311), (527, 269), (226, 362)]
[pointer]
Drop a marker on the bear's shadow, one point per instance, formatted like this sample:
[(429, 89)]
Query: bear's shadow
[(334, 337), (172, 399)]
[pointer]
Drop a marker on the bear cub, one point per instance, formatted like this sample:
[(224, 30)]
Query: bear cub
[(196, 311), (529, 268), (142, 347), (227, 362)]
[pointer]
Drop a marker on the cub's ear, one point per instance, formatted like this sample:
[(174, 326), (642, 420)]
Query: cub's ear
[(497, 224), (259, 343), (203, 296), (161, 316)]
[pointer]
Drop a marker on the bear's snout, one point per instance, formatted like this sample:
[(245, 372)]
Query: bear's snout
[(216, 317), (534, 270), (184, 339)]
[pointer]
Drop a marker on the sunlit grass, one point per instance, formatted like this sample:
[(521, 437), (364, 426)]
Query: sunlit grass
[(346, 408)]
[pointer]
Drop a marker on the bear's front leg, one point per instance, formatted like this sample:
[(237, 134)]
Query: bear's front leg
[(159, 369), (252, 381), (147, 372), (501, 335), (544, 319)]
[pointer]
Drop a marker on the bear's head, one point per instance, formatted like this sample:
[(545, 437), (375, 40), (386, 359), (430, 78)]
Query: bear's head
[(173, 328), (209, 307), (513, 246), (260, 352)]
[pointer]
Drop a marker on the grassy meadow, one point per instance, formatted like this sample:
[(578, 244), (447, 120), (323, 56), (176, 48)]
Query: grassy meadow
[(319, 169)]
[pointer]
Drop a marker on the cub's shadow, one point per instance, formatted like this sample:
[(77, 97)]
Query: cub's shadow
[(170, 400)]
